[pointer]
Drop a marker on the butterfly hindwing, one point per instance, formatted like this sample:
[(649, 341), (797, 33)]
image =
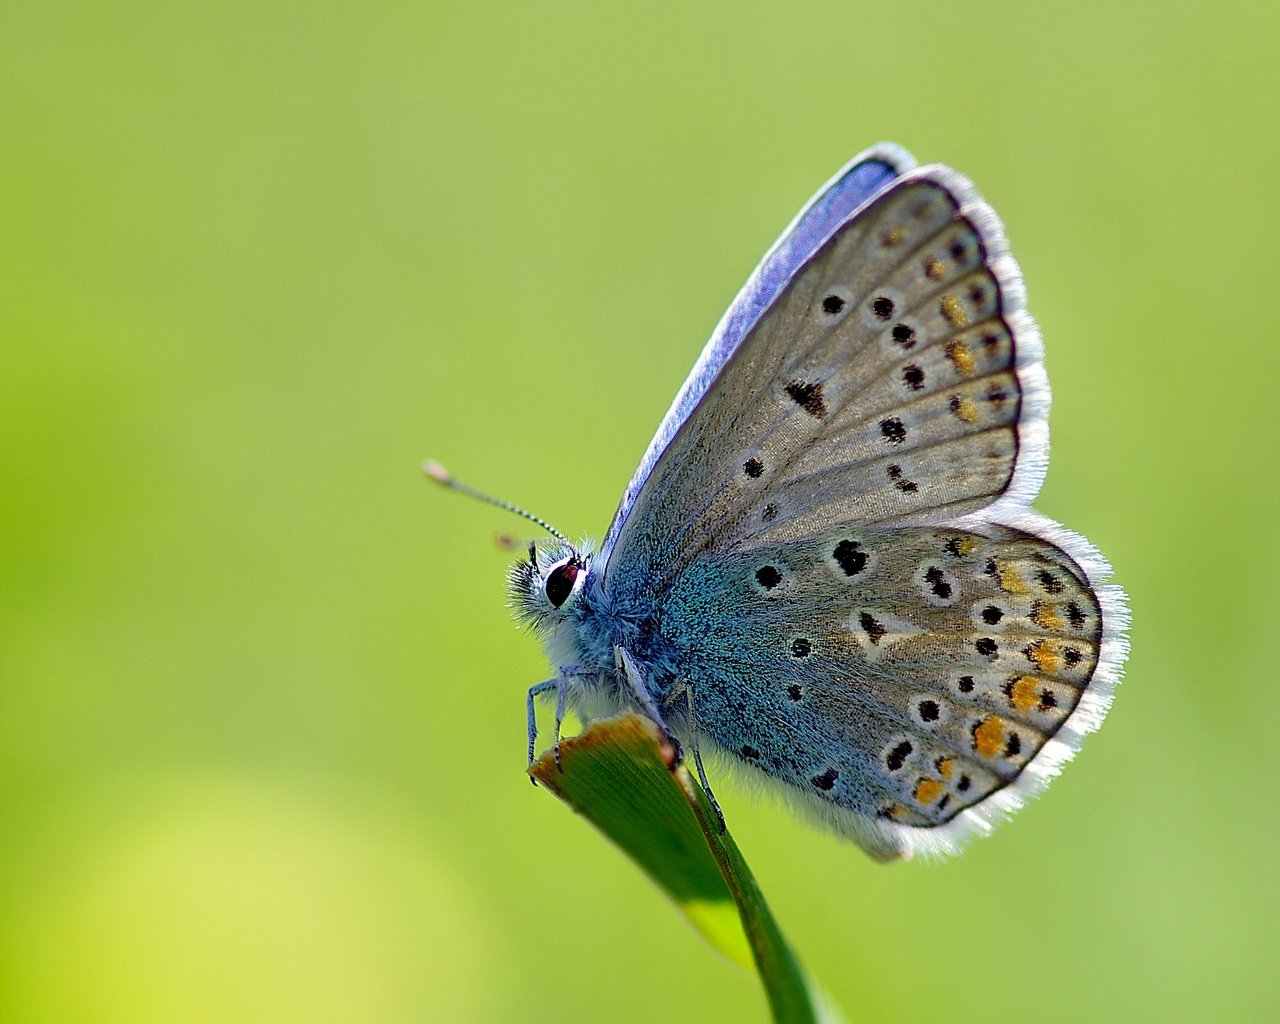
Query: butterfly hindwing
[(897, 680)]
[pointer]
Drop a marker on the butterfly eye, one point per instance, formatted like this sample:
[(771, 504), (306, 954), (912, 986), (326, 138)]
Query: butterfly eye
[(560, 582)]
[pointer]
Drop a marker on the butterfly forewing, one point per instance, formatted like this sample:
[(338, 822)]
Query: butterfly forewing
[(883, 384), (862, 178)]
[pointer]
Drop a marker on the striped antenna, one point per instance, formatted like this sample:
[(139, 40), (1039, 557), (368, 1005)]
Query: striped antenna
[(441, 476)]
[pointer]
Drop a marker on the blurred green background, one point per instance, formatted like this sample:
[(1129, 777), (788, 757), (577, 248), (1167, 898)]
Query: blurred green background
[(261, 703)]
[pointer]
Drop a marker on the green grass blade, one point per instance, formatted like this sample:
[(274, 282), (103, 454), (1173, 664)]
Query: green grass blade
[(623, 777)]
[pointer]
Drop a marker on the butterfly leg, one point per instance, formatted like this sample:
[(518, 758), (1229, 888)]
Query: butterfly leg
[(687, 689), (559, 683), (628, 669), (535, 691), (560, 691)]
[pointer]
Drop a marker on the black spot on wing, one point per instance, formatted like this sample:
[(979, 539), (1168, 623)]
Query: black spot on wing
[(937, 580), (1051, 583), (893, 430), (895, 474), (849, 555), (898, 756), (826, 780), (768, 577), (808, 396), (872, 626)]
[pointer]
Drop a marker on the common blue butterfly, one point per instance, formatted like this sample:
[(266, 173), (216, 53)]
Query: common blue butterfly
[(825, 568)]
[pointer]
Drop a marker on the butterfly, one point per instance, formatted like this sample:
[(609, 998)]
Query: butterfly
[(825, 569)]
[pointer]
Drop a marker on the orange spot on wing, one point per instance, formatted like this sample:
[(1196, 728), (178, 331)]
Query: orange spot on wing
[(1010, 581), (966, 410), (956, 317), (1047, 657), (966, 545), (988, 736), (957, 351), (1023, 695), (928, 790), (1046, 617), (934, 268), (894, 236), (946, 767)]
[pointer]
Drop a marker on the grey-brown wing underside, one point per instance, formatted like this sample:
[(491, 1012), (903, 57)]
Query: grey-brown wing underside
[(896, 379)]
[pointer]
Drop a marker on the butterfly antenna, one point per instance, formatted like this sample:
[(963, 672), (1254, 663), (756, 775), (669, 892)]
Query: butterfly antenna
[(441, 475)]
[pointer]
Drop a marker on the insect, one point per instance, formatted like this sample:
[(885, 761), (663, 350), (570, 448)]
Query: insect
[(825, 569)]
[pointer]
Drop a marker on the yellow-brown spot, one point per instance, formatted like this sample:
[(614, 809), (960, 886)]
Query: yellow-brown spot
[(894, 237), (988, 737), (959, 354), (1010, 581), (1047, 657), (1046, 617), (945, 768), (966, 545), (964, 409), (1023, 694), (934, 268), (955, 314), (928, 790), (896, 812)]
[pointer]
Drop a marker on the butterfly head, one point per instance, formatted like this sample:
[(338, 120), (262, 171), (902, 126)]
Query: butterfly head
[(545, 586)]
